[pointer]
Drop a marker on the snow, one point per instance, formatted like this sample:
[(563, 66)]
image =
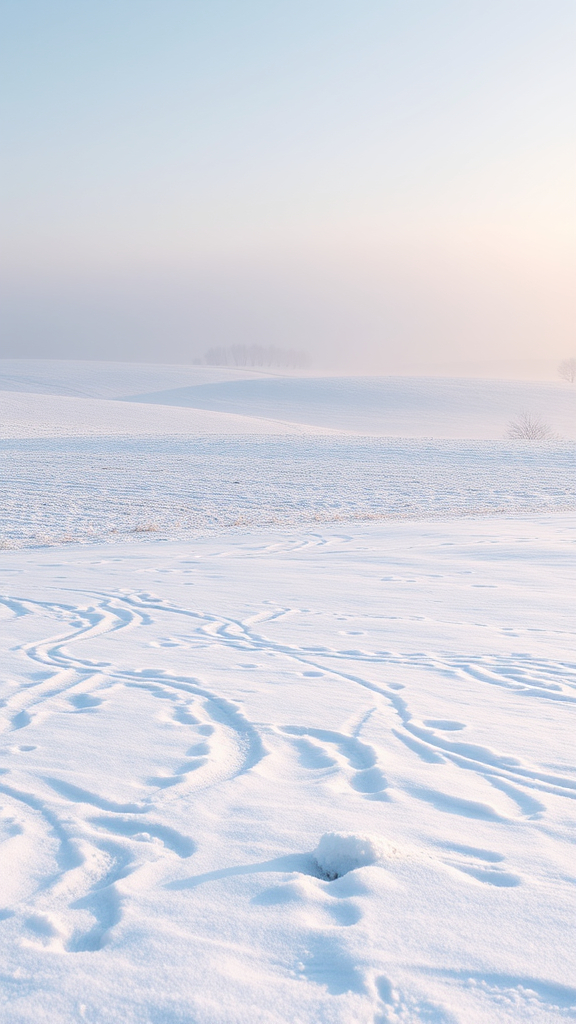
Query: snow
[(183, 722), (59, 397), (337, 854), (305, 755), (58, 490), (25, 415), (387, 406), (106, 380)]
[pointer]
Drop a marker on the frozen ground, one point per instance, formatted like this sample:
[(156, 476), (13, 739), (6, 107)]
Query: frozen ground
[(307, 753), (183, 722), (63, 490)]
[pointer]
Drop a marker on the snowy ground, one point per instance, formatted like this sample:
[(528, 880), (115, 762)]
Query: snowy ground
[(182, 723), (63, 490), (295, 632), (41, 398), (386, 406)]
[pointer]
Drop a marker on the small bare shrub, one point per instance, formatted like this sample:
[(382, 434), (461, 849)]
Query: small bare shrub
[(567, 370), (528, 427)]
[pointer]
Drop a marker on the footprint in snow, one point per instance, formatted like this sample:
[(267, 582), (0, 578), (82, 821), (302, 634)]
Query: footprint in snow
[(397, 1007), (85, 702), (482, 865), (313, 747)]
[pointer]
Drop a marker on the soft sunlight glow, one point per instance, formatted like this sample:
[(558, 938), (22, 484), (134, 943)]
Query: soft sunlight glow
[(386, 185)]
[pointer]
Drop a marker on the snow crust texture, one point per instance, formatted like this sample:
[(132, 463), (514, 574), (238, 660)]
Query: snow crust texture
[(198, 737), (71, 490)]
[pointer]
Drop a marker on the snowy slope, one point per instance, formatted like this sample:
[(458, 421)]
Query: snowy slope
[(95, 379), (182, 723), (34, 415), (64, 398), (392, 406), (381, 406)]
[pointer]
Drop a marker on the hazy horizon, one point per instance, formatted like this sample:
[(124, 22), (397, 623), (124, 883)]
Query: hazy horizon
[(388, 188)]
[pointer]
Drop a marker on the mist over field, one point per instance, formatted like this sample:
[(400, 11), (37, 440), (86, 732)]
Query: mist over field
[(287, 512), (377, 316), (388, 189)]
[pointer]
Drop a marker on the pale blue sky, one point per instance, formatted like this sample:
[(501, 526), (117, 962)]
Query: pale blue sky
[(390, 183)]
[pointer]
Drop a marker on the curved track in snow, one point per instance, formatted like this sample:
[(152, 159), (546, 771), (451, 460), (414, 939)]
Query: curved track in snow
[(181, 724)]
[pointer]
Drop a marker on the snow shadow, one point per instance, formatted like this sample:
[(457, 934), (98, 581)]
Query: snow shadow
[(303, 863)]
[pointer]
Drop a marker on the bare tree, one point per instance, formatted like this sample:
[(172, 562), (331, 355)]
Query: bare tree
[(567, 370), (216, 356), (530, 428)]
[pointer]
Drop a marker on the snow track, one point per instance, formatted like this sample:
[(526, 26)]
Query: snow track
[(181, 723)]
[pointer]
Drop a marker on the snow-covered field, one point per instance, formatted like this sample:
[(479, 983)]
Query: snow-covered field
[(61, 398), (288, 715), (65, 490)]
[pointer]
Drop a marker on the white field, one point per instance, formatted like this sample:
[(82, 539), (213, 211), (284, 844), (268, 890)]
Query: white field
[(223, 641), (61, 398)]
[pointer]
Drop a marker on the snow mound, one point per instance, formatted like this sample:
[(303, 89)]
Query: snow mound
[(337, 853)]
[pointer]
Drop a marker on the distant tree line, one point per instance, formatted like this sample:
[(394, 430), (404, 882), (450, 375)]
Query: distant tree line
[(255, 355)]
